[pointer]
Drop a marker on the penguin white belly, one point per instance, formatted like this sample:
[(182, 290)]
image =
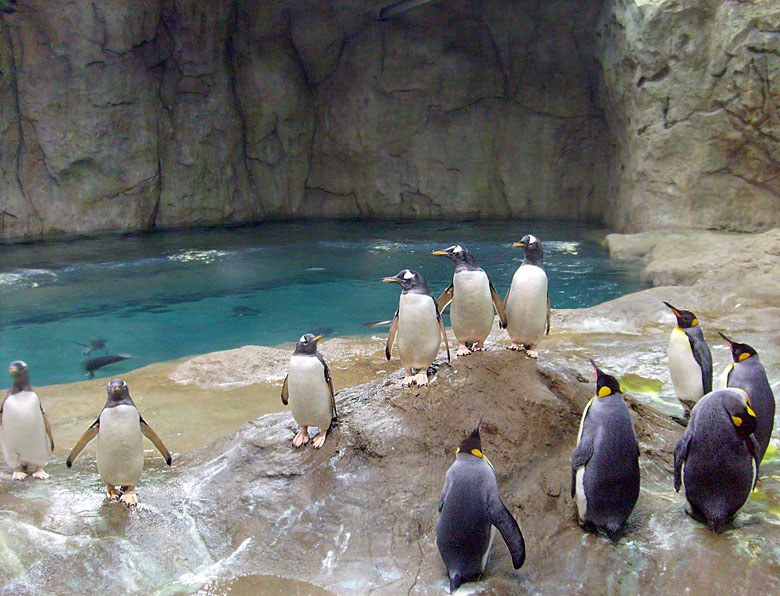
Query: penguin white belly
[(526, 309), (579, 493), (683, 368), (471, 311), (23, 431), (723, 379), (418, 331), (309, 392), (489, 548), (120, 450)]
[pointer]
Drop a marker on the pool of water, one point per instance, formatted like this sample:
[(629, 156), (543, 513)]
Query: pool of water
[(162, 296)]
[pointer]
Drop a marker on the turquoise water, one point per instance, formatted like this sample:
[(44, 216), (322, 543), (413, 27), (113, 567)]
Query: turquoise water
[(167, 295)]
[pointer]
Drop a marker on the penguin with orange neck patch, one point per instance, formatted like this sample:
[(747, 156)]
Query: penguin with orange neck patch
[(605, 463), (470, 510)]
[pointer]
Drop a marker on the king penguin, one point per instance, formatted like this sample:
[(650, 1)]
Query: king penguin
[(120, 450), (308, 389), (473, 298), (716, 460), (470, 510), (527, 303), (605, 463), (24, 426), (690, 361), (747, 372), (418, 325)]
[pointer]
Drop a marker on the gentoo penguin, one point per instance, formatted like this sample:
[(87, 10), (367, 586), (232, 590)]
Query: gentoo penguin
[(747, 372), (716, 460), (473, 298), (418, 325), (605, 463), (690, 361), (308, 389), (527, 303), (24, 426), (120, 450), (470, 510)]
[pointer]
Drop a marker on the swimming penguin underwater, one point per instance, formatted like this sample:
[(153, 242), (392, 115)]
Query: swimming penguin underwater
[(470, 510), (747, 372), (716, 460), (418, 325), (605, 463), (120, 450), (308, 388), (473, 298), (24, 426), (527, 303), (690, 361)]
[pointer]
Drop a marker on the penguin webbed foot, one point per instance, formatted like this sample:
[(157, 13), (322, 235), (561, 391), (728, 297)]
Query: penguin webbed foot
[(301, 438), (112, 494), (408, 381), (531, 350), (463, 350), (40, 474), (129, 498), (421, 378), (319, 440), (19, 475), (516, 347)]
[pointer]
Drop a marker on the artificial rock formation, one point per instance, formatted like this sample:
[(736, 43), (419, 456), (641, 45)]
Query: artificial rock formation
[(162, 113)]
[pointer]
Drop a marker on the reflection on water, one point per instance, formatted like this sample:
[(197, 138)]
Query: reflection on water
[(262, 585)]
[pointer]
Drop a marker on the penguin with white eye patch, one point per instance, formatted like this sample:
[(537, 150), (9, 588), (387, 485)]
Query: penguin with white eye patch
[(472, 299), (418, 326)]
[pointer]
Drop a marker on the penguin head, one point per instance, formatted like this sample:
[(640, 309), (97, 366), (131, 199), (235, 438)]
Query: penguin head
[(458, 254), (739, 352), (532, 247), (307, 344), (472, 444), (605, 384), (737, 404), (685, 318), (407, 279), (17, 369), (117, 390)]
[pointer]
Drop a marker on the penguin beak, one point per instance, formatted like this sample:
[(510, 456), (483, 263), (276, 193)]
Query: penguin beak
[(519, 245), (442, 253), (479, 424), (727, 340), (318, 338), (595, 367), (391, 280), (673, 309)]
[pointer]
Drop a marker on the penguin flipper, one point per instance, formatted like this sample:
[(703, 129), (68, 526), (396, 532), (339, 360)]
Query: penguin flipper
[(443, 333), (391, 335), (752, 445), (681, 454), (499, 307), (703, 357), (547, 330), (502, 519), (285, 391), (506, 301), (445, 298), (48, 428), (155, 438), (88, 435), (579, 458), (329, 381)]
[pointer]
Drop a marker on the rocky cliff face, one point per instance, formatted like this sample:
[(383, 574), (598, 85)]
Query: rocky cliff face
[(159, 113)]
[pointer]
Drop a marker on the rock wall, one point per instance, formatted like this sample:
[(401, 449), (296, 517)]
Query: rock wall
[(161, 113)]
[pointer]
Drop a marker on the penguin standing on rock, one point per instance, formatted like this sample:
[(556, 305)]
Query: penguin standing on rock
[(470, 510), (120, 450), (747, 373), (690, 361), (473, 298), (308, 389), (24, 426), (605, 463), (418, 325), (527, 303), (716, 460)]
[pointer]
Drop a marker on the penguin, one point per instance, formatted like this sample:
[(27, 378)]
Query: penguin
[(470, 510), (605, 463), (24, 426), (418, 325), (473, 298), (747, 372), (120, 451), (716, 460), (308, 389), (690, 361), (527, 303)]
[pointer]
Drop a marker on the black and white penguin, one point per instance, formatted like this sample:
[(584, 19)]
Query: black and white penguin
[(716, 460), (418, 325), (120, 450), (690, 361), (527, 303), (473, 298), (308, 389), (605, 463), (470, 510), (24, 427), (747, 372)]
